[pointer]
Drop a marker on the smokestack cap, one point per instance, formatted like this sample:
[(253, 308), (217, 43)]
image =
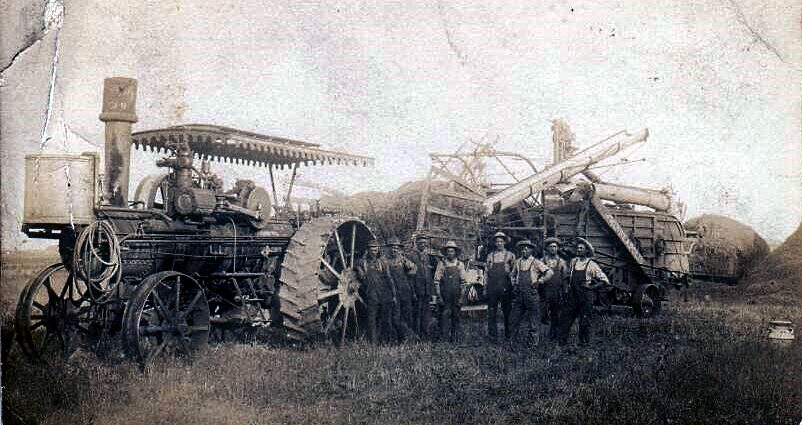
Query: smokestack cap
[(119, 100)]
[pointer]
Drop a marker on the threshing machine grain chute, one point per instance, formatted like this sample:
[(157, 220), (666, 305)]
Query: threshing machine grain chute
[(639, 241)]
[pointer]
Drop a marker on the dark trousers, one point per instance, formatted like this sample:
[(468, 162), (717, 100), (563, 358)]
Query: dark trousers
[(406, 311), (552, 304), (401, 330), (380, 321), (422, 316), (525, 306), (496, 297), (449, 318), (578, 304)]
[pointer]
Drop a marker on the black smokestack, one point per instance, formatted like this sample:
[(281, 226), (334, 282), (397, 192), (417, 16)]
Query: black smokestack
[(119, 112)]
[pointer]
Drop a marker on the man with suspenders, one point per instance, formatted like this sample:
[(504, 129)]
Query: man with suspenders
[(527, 274), (584, 276), (552, 288), (449, 278), (498, 287)]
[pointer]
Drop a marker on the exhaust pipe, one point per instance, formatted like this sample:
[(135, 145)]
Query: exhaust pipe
[(119, 112)]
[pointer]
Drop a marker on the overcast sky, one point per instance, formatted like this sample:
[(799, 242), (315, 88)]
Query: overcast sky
[(716, 82)]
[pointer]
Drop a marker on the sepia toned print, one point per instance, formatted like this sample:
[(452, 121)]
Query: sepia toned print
[(250, 213)]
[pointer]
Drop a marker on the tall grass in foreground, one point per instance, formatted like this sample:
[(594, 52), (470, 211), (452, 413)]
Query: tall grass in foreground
[(699, 362)]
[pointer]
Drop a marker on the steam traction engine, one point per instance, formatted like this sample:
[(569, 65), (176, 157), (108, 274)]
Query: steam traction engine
[(184, 258)]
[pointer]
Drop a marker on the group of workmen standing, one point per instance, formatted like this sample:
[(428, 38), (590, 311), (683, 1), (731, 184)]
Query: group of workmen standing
[(401, 288)]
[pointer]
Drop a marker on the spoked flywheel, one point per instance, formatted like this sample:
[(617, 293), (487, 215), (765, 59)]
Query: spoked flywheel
[(52, 314), (168, 315), (319, 290)]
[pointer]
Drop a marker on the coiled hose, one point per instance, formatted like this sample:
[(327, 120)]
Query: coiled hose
[(86, 257)]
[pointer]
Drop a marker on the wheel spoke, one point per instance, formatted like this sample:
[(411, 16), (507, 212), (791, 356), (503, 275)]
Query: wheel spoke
[(339, 247), (64, 289), (356, 323), (177, 293), (39, 306), (160, 307), (327, 294), (331, 269), (153, 354), (198, 328), (50, 292), (151, 330), (37, 325), (353, 244), (333, 317), (193, 302), (37, 316), (345, 325)]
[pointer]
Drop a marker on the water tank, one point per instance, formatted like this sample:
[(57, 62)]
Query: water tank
[(60, 189)]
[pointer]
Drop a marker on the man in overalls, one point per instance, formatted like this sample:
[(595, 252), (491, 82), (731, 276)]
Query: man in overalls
[(498, 288), (423, 285), (584, 276), (527, 274), (449, 278), (552, 288), (380, 293), (402, 269)]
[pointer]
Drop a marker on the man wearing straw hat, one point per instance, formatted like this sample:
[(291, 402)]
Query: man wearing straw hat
[(423, 284), (498, 288), (402, 269), (583, 278), (552, 288), (527, 274), (449, 278)]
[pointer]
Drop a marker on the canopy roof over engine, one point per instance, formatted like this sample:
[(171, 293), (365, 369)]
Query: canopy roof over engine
[(225, 144)]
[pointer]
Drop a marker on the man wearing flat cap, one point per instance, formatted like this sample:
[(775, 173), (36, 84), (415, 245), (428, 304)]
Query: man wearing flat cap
[(449, 278), (583, 278), (402, 270), (423, 284), (527, 274), (552, 288), (380, 293), (498, 287)]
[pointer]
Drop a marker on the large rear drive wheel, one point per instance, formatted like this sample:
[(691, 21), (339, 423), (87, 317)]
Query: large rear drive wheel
[(168, 315), (319, 289)]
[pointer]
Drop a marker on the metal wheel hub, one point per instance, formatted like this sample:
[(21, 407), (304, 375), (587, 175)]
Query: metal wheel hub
[(348, 288)]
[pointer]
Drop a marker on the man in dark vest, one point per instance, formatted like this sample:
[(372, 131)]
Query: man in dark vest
[(552, 288), (402, 270), (449, 278), (584, 276), (423, 285), (527, 274), (380, 293), (498, 287)]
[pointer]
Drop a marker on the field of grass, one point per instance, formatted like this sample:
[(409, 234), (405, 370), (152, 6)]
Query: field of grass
[(704, 360)]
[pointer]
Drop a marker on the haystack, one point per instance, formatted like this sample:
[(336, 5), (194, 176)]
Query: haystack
[(726, 247), (781, 272)]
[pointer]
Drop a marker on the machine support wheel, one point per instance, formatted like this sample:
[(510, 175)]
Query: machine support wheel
[(51, 315), (319, 290), (168, 315), (646, 301)]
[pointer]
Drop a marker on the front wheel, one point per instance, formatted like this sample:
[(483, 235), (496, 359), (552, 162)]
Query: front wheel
[(168, 315), (51, 315)]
